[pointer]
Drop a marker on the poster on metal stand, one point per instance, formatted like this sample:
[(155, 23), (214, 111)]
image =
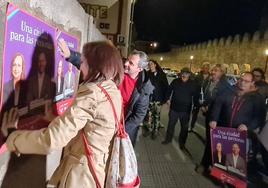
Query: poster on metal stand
[(229, 156)]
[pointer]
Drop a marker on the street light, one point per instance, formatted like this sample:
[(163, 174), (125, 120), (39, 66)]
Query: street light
[(266, 53), (191, 62)]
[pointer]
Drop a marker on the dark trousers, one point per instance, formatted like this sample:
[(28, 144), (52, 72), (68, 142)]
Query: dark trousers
[(184, 121), (264, 154), (207, 159), (132, 133), (195, 112)]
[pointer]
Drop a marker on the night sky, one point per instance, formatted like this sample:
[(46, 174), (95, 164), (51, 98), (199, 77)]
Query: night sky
[(191, 21)]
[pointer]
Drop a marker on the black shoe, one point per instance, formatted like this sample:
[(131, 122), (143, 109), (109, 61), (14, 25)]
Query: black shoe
[(199, 169), (182, 146), (154, 134), (146, 133), (165, 142)]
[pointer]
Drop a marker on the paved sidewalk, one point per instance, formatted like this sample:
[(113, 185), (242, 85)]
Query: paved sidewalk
[(166, 166)]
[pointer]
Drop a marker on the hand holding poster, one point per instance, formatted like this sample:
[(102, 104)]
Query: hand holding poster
[(229, 155)]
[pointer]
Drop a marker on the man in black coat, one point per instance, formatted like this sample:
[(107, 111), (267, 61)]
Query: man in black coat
[(243, 108), (201, 81), (183, 92), (215, 87)]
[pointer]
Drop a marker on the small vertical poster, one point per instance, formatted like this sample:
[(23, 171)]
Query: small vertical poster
[(229, 155)]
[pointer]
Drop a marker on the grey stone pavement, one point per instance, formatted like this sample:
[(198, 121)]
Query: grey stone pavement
[(166, 166)]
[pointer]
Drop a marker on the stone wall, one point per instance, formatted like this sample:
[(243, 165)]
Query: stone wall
[(237, 52), (64, 14)]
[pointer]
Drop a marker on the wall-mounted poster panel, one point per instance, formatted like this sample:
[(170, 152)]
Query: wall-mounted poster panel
[(66, 76), (35, 78), (229, 156)]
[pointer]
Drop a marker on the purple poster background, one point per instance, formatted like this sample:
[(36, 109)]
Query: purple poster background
[(72, 44), (27, 36), (22, 31), (36, 43), (68, 88), (227, 137)]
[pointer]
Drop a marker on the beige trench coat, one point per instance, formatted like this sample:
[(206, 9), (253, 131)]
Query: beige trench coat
[(92, 111)]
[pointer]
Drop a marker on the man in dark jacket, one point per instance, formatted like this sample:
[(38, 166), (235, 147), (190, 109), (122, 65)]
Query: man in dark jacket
[(216, 86), (201, 81), (243, 108), (136, 89), (183, 91), (260, 83)]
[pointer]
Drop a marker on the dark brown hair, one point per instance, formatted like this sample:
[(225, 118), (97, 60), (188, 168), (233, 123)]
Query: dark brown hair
[(104, 62)]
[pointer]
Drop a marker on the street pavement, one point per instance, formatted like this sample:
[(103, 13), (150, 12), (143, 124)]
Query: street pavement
[(167, 166)]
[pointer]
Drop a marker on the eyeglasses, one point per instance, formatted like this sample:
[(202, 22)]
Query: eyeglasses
[(185, 74), (243, 80), (257, 75)]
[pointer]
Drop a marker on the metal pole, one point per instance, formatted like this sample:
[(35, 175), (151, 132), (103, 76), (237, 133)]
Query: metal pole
[(191, 65), (266, 64)]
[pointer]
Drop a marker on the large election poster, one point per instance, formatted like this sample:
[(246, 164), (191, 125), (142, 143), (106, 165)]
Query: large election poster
[(229, 155), (35, 78)]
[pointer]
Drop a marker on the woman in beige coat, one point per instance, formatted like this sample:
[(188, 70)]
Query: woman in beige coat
[(91, 113)]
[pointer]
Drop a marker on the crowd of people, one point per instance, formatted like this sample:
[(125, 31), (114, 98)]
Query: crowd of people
[(142, 90), (241, 105)]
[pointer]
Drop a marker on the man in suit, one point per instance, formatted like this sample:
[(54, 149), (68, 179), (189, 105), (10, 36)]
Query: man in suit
[(69, 81), (59, 80), (235, 160)]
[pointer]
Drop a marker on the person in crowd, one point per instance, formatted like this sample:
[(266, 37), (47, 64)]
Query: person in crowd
[(90, 113), (201, 80), (40, 84), (218, 156), (157, 99), (217, 85), (260, 83), (243, 108), (182, 91), (59, 79), (262, 88), (135, 88), (235, 160)]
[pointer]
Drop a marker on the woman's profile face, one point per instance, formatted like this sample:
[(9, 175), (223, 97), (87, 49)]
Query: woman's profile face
[(17, 67), (152, 66), (84, 67)]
